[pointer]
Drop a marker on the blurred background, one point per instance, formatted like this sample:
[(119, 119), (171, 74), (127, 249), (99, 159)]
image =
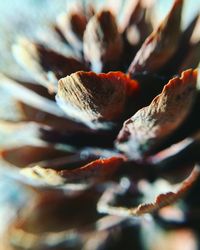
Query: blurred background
[(32, 18)]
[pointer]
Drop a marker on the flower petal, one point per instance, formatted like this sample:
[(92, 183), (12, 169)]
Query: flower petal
[(57, 212), (23, 156), (102, 42), (192, 57), (160, 201), (93, 172), (182, 51), (160, 46), (20, 134), (95, 99), (44, 65), (29, 97), (102, 168), (152, 125), (179, 155), (72, 25)]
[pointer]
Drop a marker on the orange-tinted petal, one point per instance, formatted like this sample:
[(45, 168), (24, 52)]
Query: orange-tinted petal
[(161, 200), (151, 125), (95, 99), (98, 169)]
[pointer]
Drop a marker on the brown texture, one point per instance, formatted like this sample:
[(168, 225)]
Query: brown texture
[(151, 125)]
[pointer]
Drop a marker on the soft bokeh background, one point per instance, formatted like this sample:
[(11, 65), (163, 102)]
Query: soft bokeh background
[(32, 17)]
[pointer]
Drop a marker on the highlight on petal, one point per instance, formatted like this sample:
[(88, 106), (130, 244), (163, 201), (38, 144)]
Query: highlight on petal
[(56, 210), (49, 166), (10, 110), (186, 45), (20, 134), (95, 99), (152, 125), (104, 236), (47, 176), (102, 42), (36, 106), (135, 25), (161, 44), (29, 97), (100, 169), (161, 200), (179, 156), (96, 170), (44, 65), (28, 155), (72, 24), (192, 57)]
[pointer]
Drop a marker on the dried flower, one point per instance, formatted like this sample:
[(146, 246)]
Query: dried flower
[(99, 133)]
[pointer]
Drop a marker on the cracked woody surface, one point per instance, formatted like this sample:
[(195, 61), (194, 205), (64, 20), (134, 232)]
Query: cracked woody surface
[(107, 159)]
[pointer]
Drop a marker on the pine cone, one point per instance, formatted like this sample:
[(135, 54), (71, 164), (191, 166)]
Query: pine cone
[(104, 137)]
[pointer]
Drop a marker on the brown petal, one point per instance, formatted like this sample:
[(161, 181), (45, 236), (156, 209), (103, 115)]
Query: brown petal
[(160, 201), (159, 47), (102, 42), (89, 174), (76, 135), (182, 154), (20, 134), (150, 126), (44, 65), (23, 156), (72, 25), (182, 52), (107, 232), (67, 161), (29, 97), (135, 27), (169, 198), (100, 169), (57, 123), (28, 133), (37, 108), (58, 212), (131, 14), (192, 58), (135, 15), (94, 99)]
